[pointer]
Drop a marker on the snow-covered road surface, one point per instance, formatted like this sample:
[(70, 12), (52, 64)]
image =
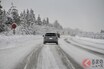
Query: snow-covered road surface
[(50, 56), (29, 52)]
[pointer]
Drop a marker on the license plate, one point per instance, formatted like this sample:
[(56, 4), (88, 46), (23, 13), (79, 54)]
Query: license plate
[(50, 38)]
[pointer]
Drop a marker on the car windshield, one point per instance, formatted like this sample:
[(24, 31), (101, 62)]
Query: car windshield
[(50, 34)]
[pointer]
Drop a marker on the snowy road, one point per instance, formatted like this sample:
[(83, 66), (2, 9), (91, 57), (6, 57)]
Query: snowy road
[(28, 52), (49, 56)]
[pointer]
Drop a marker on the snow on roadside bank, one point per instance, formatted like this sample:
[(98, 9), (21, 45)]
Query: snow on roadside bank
[(15, 40), (13, 49), (90, 39), (88, 44), (78, 54), (94, 43)]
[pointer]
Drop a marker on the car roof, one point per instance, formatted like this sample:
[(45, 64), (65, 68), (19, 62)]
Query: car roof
[(50, 34)]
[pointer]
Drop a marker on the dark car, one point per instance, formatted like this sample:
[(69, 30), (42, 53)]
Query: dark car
[(58, 35), (50, 38)]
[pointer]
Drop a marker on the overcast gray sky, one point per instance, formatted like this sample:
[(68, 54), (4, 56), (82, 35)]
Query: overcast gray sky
[(87, 15)]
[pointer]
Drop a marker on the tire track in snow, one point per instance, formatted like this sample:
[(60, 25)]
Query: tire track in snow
[(70, 60), (32, 59), (61, 55), (52, 57), (48, 57), (46, 60)]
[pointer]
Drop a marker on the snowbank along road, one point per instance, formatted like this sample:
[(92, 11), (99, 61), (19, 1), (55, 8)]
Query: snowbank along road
[(29, 52)]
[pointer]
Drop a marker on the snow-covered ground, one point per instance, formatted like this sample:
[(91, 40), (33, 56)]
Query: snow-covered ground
[(93, 44), (84, 48), (96, 41), (13, 49), (29, 52)]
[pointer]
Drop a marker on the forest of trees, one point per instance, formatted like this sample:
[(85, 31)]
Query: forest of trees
[(28, 23), (25, 20)]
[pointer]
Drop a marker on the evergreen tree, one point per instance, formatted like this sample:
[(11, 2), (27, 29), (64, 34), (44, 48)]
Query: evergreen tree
[(4, 20), (28, 18), (39, 22), (44, 22), (4, 17), (0, 8), (1, 19), (13, 14), (23, 20), (32, 16), (57, 25), (47, 22)]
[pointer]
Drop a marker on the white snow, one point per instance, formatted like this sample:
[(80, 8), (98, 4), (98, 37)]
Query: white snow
[(47, 60), (99, 41), (93, 44), (79, 54), (13, 49)]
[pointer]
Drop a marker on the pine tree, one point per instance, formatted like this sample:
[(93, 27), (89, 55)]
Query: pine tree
[(1, 19), (4, 16), (47, 22), (39, 22), (28, 18), (23, 18), (57, 25), (13, 14), (0, 8), (44, 22), (4, 20), (32, 16)]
